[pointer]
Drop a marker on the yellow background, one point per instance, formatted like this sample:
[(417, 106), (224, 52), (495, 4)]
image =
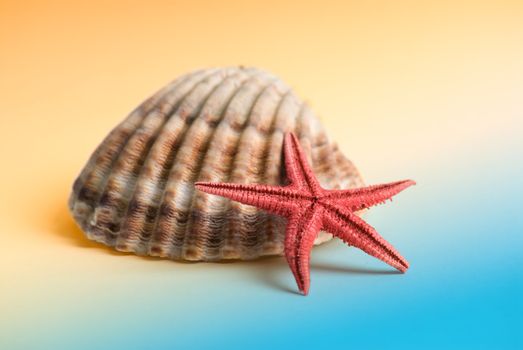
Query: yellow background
[(407, 88)]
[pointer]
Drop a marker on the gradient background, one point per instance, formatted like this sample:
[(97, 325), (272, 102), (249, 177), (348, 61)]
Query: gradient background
[(428, 90)]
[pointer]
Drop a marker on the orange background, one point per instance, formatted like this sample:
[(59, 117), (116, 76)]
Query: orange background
[(407, 88)]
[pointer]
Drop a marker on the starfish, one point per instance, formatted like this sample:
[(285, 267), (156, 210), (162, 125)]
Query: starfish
[(310, 208)]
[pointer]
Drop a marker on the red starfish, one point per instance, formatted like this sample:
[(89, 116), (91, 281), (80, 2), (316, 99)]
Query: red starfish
[(310, 208)]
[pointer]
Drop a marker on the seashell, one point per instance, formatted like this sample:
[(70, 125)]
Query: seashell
[(136, 193)]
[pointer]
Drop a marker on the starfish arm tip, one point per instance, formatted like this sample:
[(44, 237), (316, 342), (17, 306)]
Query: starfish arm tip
[(406, 266), (402, 265), (215, 188), (410, 182), (207, 187), (199, 185), (401, 185)]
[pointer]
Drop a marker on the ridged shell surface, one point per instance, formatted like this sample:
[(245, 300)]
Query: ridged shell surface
[(136, 193)]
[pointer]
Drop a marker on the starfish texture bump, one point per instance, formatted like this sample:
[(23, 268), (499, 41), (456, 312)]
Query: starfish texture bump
[(310, 208)]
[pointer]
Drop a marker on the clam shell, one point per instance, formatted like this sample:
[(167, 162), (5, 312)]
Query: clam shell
[(136, 193)]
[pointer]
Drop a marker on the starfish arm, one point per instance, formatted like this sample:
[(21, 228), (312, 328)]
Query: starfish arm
[(354, 231), (297, 167), (365, 197), (274, 199), (302, 229)]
